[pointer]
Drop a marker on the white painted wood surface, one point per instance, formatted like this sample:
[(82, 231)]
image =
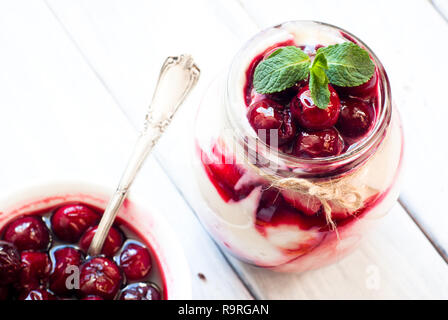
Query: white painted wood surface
[(78, 75)]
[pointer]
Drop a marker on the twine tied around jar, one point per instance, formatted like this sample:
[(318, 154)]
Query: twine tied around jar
[(341, 193)]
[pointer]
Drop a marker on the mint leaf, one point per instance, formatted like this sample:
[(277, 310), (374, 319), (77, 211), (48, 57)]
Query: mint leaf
[(320, 61), (319, 82), (348, 64), (281, 70)]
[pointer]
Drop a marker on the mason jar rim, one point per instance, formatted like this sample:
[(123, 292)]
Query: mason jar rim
[(369, 142)]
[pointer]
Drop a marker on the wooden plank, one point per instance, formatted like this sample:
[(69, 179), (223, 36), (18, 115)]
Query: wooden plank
[(133, 19), (397, 31), (59, 122)]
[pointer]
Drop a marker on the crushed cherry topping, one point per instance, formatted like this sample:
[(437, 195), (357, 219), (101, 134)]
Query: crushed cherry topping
[(9, 263), (112, 244), (71, 221), (309, 116), (140, 291), (225, 174), (33, 267), (273, 210), (28, 233)]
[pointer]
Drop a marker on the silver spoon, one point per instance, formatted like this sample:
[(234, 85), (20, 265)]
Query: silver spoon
[(177, 78)]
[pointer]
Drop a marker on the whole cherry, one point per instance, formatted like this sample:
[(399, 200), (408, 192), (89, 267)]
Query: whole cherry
[(264, 114), (34, 271), (355, 119), (364, 91), (309, 116), (112, 244), (269, 120), (28, 233), (135, 261), (92, 298), (285, 96), (66, 259), (140, 291), (69, 222), (9, 263), (37, 294), (4, 293), (100, 277), (288, 129), (322, 143)]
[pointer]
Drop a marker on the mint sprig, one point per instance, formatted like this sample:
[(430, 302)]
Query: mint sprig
[(319, 81), (348, 64), (281, 70), (345, 64)]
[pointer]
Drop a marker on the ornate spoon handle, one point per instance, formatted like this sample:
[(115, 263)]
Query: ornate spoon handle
[(177, 78)]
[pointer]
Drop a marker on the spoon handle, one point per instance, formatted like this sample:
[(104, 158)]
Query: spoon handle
[(177, 78)]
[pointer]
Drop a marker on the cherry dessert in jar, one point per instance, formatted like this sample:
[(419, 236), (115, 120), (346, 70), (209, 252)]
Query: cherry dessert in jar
[(43, 256), (298, 150)]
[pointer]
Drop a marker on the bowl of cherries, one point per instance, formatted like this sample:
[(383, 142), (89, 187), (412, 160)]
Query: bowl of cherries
[(45, 233)]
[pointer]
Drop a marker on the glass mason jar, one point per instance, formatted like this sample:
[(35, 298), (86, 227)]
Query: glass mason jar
[(277, 211)]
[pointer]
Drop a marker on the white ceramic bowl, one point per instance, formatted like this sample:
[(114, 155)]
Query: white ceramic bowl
[(138, 213)]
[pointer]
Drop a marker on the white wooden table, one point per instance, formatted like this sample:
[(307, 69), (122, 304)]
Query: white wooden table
[(76, 77)]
